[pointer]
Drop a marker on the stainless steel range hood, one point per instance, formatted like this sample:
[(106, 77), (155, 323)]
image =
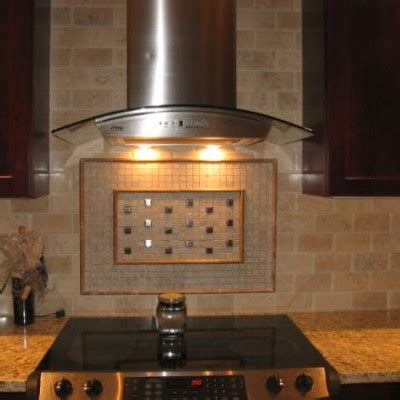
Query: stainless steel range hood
[(182, 82)]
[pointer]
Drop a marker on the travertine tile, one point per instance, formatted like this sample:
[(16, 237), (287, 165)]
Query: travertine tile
[(70, 78), (52, 223), (386, 205), (369, 301), (395, 223), (61, 16), (274, 40), (371, 222), (295, 263), (135, 305), (274, 4), (285, 242), (395, 261), (353, 205), (255, 19), (295, 222), (288, 61), (110, 38), (326, 262), (370, 262), (245, 39), (255, 59), (253, 303), (288, 21), (63, 243), (92, 57), (351, 281), (332, 301), (93, 16), (38, 205), (71, 37), (383, 280), (59, 264), (275, 80), (288, 101), (5, 206), (315, 204), (285, 302), (92, 98), (389, 242), (317, 282), (333, 223), (314, 242), (352, 242)]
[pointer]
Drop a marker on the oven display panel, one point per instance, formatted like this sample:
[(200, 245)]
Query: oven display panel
[(186, 388)]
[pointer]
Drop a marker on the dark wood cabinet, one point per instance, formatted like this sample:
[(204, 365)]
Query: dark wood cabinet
[(24, 97), (351, 85)]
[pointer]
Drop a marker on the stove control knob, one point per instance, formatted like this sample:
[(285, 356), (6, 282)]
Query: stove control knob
[(274, 384), (93, 388), (63, 388), (304, 383)]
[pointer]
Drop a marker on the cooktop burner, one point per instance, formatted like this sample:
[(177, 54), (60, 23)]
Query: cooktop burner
[(260, 352)]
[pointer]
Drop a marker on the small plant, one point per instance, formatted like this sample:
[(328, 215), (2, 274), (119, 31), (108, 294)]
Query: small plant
[(21, 259)]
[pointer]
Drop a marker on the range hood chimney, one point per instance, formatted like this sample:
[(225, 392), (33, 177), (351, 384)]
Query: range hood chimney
[(182, 82)]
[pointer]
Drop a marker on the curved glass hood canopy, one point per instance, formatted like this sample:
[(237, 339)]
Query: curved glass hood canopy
[(182, 82)]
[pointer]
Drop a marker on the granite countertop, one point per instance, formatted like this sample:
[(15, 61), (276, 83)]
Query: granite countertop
[(22, 348), (363, 346)]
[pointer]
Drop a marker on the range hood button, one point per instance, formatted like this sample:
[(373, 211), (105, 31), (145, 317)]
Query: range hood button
[(63, 388), (274, 384), (93, 388)]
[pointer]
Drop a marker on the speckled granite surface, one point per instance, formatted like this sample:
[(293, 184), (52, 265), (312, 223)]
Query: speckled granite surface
[(22, 348), (364, 346)]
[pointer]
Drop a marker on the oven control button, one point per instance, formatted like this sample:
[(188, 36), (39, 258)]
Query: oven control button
[(63, 388), (304, 383), (93, 388), (274, 384)]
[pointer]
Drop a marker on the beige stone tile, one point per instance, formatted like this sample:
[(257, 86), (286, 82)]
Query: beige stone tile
[(285, 202), (383, 280), (311, 242), (54, 301), (60, 182), (317, 282), (332, 301), (288, 61), (295, 222), (255, 19), (274, 40), (369, 301), (65, 202), (70, 78), (395, 261), (253, 303), (60, 16), (274, 4), (71, 37), (66, 285), (109, 78), (333, 223), (5, 206), (52, 223), (136, 305), (244, 3), (120, 16), (389, 242), (295, 263), (120, 58), (245, 81), (285, 302), (93, 16), (395, 223), (255, 60), (61, 57), (61, 98), (371, 222), (39, 205), (370, 262), (112, 3), (285, 242), (315, 204), (262, 102), (76, 223), (9, 223), (275, 80), (288, 101), (63, 243), (92, 57), (394, 300), (244, 39), (391, 205), (352, 242), (63, 117), (110, 38), (284, 283), (351, 281), (288, 21), (289, 182), (93, 305), (58, 264), (92, 98), (215, 304), (332, 262), (352, 205)]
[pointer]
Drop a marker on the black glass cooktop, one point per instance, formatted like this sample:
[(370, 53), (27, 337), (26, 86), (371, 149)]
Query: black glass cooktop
[(211, 343)]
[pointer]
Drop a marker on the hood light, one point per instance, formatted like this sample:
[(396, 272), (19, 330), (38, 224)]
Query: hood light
[(212, 153), (145, 153)]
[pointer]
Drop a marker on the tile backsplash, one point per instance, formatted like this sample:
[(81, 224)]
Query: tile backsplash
[(332, 253)]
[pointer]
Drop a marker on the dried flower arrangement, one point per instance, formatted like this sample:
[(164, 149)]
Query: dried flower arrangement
[(21, 258)]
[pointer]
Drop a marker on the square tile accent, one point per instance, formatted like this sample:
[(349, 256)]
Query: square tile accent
[(100, 178), (175, 234)]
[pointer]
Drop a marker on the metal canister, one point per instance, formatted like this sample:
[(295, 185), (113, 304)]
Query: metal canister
[(171, 313)]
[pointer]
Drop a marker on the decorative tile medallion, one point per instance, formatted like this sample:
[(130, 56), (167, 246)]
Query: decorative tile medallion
[(149, 227)]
